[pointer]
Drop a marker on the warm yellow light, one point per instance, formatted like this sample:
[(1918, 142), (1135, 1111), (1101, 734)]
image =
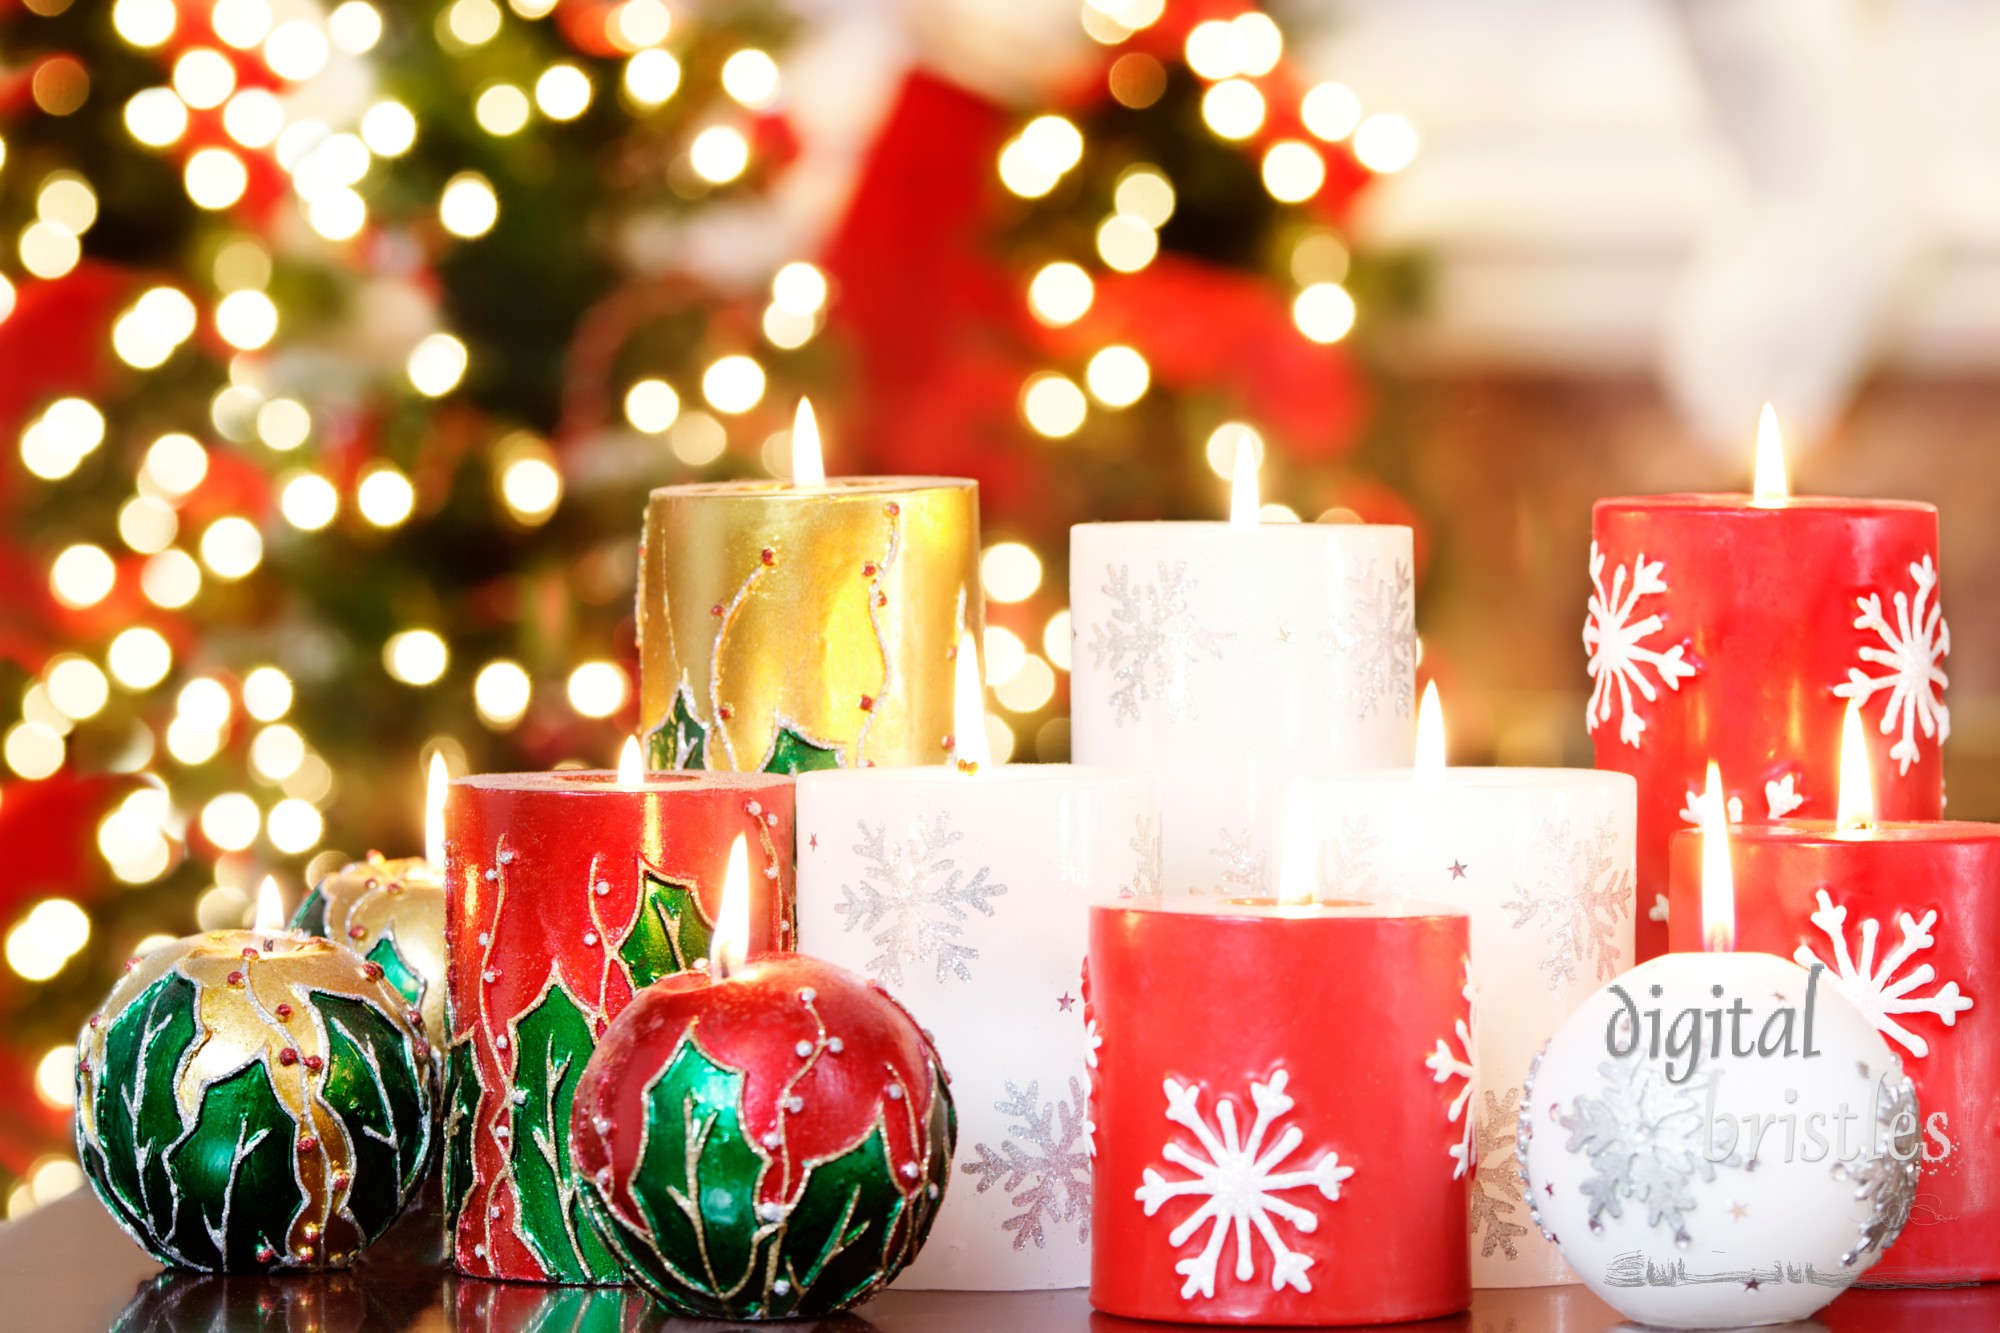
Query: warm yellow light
[(416, 656), (267, 693), (472, 22), (733, 384), (204, 78), (296, 51), (203, 701), (502, 110), (437, 365), (254, 118), (48, 251), (1718, 889), (1258, 42), (652, 406), (1222, 446), (1030, 688), (968, 711), (76, 687), (170, 579), (1010, 572), (83, 575), (1331, 111), (531, 488), (698, 439), (231, 821), (294, 826), (34, 752), (270, 906), (1211, 50), (1005, 654), (562, 92), (276, 752), (1243, 486), (231, 547), (730, 945), (1298, 875), (66, 200), (751, 77), (1293, 171), (598, 689), (808, 460), (1857, 785), (1056, 639), (1430, 732), (1053, 405), (241, 23), (501, 692), (355, 27), (283, 424), (246, 319), (468, 207), (308, 501), (1060, 294), (1118, 376), (176, 463), (1234, 109), (156, 117), (1125, 243), (215, 178), (144, 23), (1146, 194), (437, 784), (799, 288), (389, 129), (1324, 312), (55, 1076), (642, 23), (139, 658), (651, 77), (1386, 143), (631, 763), (719, 154), (1772, 487)]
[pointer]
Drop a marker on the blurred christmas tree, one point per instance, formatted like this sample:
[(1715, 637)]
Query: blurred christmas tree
[(342, 349)]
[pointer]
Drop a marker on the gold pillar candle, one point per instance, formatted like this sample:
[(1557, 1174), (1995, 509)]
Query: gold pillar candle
[(790, 627)]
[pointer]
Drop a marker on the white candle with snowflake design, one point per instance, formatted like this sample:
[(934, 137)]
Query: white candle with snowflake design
[(966, 896), (1228, 661)]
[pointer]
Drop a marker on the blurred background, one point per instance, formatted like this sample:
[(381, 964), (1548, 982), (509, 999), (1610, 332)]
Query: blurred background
[(340, 344)]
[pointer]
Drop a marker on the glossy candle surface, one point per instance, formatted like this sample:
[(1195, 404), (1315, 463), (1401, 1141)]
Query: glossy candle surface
[(1879, 875)]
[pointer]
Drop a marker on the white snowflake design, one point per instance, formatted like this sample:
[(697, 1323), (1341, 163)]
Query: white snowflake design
[(1093, 1042), (1043, 1164), (1643, 1138), (1658, 911), (1877, 991), (1781, 797), (914, 896), (1616, 644), (1238, 1184), (1913, 647), (1377, 645), (1152, 641), (1445, 1065), (1691, 809), (1577, 895), (1347, 859), (1245, 866), (1149, 869)]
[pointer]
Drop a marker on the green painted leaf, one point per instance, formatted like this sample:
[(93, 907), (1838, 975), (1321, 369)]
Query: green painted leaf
[(461, 1120), (311, 916), (374, 1085), (409, 982), (237, 1190), (678, 742), (793, 753), (553, 1042), (137, 1115), (669, 934)]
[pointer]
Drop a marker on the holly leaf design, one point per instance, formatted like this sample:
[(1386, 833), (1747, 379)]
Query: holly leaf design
[(680, 741), (670, 932), (792, 753), (233, 1175), (396, 969), (374, 1085), (137, 1111), (461, 1120), (553, 1040), (311, 916)]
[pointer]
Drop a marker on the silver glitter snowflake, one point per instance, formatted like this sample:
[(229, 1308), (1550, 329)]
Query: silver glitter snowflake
[(1616, 644), (1043, 1164), (1577, 896), (1887, 1178), (1493, 1208), (1246, 867), (1876, 990), (1347, 859), (1147, 872), (914, 897), (1377, 642), (1152, 641), (1912, 649), (1643, 1137)]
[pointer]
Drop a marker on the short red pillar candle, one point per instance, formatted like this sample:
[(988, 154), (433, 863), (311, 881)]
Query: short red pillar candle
[(1720, 627), (1904, 917), (567, 892), (1280, 1098)]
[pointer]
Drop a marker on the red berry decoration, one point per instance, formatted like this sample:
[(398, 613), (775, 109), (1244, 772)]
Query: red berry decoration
[(800, 1106)]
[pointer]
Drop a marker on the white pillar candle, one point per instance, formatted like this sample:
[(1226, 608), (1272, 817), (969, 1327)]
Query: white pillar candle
[(1228, 660), (1542, 860)]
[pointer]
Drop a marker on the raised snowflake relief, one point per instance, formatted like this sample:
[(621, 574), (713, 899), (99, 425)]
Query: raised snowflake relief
[(1643, 1137), (1043, 1164), (1240, 862), (1876, 989), (1347, 859), (1146, 844), (1615, 635), (914, 898), (1781, 797), (1578, 895), (1377, 643), (1152, 641), (1446, 1065), (1496, 1189), (1238, 1182), (1910, 650)]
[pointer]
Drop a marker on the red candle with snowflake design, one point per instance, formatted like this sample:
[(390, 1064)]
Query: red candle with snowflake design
[(1280, 1102), (1736, 628), (568, 892), (1902, 915)]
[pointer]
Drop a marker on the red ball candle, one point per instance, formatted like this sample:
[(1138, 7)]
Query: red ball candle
[(1729, 628), (567, 893), (1902, 915), (1280, 1108)]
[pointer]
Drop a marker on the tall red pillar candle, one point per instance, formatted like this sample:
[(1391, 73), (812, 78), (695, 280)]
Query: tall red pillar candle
[(1722, 627), (567, 892), (1904, 918), (1280, 1109)]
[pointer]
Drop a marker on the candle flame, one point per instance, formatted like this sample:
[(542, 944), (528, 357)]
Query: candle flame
[(1718, 885), (631, 763), (436, 783), (270, 907), (731, 942), (1857, 786), (968, 711), (808, 468), (1430, 731), (1243, 498), (1771, 488), (1297, 877)]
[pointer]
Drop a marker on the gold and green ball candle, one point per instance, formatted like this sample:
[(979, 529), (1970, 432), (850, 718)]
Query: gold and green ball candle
[(252, 1100), (390, 911)]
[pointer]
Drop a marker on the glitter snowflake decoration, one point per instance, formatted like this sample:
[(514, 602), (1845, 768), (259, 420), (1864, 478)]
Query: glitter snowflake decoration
[(1643, 1138), (1148, 871), (1445, 1065), (914, 897), (1238, 1183), (1887, 1177), (1493, 1208), (1877, 991), (1912, 649), (1577, 896), (1245, 867), (1377, 644), (1347, 859), (1043, 1164), (1152, 641), (1616, 644)]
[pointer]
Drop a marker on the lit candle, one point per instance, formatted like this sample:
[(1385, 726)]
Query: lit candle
[(1738, 627), (1901, 914), (1227, 659), (568, 892), (765, 1137), (787, 626), (964, 889), (1277, 1098), (1541, 859), (1719, 1138)]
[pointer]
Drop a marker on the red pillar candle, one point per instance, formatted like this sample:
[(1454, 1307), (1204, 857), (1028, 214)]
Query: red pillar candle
[(1903, 917), (1280, 1105), (567, 892), (1722, 627)]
